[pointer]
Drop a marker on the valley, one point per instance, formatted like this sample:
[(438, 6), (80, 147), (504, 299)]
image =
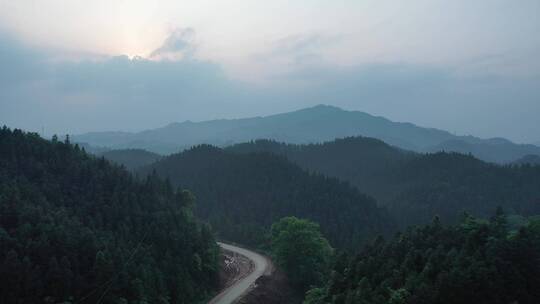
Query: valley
[(324, 205), (269, 152)]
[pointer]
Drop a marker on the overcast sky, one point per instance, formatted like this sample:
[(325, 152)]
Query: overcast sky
[(467, 66)]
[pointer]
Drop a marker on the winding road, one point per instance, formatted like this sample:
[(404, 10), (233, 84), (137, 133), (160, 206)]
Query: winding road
[(234, 292)]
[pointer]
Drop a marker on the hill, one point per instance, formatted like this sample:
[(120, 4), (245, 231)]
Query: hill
[(496, 150), (474, 262), (415, 187), (131, 158), (243, 194), (450, 183), (76, 229), (311, 125)]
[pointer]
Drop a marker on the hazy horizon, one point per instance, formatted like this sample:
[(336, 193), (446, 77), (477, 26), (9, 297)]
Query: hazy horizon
[(78, 66), (257, 116)]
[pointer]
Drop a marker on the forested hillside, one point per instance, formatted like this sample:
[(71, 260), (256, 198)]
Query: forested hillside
[(474, 262), (415, 187), (243, 194), (76, 229), (367, 163), (449, 183), (131, 158)]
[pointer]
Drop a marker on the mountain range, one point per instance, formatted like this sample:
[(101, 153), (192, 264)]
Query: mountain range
[(310, 125)]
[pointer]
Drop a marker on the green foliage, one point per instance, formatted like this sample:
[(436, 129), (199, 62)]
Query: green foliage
[(476, 261), (415, 187), (315, 296), (74, 228), (301, 251), (534, 224), (241, 195)]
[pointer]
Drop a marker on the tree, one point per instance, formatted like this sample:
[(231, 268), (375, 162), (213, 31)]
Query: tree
[(315, 296), (300, 249), (475, 262), (74, 228)]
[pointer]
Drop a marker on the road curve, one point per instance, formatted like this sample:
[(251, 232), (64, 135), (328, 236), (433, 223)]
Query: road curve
[(234, 292)]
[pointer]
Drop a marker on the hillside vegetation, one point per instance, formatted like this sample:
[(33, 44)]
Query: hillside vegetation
[(415, 187), (476, 261), (243, 194), (74, 228)]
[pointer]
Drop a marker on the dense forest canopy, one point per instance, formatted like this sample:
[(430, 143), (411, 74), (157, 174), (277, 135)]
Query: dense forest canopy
[(74, 228), (415, 187), (476, 261), (243, 194)]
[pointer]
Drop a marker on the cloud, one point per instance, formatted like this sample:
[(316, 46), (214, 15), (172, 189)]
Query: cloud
[(19, 64), (295, 44), (119, 93), (179, 44), (104, 92), (296, 51)]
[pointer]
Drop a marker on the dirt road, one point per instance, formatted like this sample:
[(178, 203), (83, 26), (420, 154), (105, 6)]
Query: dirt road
[(261, 266)]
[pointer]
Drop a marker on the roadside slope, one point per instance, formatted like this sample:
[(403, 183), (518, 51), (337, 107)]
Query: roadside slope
[(262, 266)]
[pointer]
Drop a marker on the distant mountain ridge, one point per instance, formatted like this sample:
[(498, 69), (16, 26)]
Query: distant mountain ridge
[(310, 125)]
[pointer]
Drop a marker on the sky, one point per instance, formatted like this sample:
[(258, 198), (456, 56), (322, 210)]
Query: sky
[(73, 66)]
